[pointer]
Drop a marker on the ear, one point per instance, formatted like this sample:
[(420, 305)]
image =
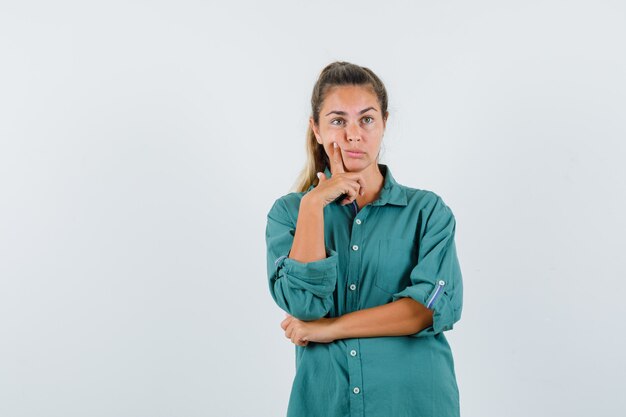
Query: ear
[(385, 119), (315, 130)]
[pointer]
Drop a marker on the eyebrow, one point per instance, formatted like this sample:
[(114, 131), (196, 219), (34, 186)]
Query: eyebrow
[(343, 113)]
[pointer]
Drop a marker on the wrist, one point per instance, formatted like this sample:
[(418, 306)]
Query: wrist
[(335, 328), (310, 199)]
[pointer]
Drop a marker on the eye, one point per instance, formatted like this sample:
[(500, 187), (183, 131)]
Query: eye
[(369, 117), (332, 122)]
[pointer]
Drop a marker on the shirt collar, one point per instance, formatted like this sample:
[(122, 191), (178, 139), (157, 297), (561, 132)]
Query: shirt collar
[(391, 193)]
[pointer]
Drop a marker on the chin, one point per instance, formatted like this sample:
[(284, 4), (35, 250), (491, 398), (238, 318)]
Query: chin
[(355, 165)]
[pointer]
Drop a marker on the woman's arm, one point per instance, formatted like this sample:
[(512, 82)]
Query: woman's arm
[(403, 317), (308, 241), (399, 318), (299, 285)]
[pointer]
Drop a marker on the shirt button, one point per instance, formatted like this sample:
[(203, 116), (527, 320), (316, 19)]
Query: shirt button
[(441, 282), (352, 287), (353, 352), (358, 221), (356, 390), (355, 247)]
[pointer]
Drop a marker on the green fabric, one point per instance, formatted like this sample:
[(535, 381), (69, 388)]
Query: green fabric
[(404, 248)]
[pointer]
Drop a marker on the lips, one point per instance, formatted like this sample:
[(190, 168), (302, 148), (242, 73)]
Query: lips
[(354, 154)]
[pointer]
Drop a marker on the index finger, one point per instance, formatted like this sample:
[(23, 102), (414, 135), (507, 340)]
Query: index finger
[(337, 161)]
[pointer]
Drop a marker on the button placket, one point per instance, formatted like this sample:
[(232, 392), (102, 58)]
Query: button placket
[(355, 259), (355, 377), (354, 263)]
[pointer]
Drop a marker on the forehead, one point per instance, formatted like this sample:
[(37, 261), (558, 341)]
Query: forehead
[(352, 98)]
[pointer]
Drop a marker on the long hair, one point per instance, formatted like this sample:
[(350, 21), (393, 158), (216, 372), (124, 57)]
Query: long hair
[(335, 74)]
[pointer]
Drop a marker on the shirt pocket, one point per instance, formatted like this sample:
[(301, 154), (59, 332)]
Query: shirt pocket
[(395, 261)]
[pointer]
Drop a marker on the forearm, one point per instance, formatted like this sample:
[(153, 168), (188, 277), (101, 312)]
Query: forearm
[(399, 318), (308, 242)]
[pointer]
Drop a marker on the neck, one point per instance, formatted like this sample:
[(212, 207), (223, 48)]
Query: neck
[(374, 181)]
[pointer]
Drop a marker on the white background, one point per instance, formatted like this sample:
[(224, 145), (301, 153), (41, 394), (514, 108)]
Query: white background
[(142, 144)]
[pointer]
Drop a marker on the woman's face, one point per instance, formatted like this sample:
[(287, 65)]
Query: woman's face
[(350, 116)]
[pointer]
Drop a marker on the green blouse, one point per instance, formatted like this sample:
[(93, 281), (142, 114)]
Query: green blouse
[(400, 245)]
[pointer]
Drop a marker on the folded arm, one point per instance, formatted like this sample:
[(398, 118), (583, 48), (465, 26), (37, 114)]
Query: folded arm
[(399, 318)]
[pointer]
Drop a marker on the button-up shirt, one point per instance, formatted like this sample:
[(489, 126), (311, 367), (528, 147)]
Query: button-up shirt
[(400, 245)]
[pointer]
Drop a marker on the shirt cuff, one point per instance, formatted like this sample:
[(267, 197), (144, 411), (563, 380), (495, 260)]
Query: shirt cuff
[(319, 277)]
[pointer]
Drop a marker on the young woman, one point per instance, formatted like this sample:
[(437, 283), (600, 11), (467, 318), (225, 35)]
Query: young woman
[(365, 268)]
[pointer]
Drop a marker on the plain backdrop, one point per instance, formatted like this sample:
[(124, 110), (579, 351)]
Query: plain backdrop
[(143, 143)]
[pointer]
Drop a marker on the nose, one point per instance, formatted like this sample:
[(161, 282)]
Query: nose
[(353, 133)]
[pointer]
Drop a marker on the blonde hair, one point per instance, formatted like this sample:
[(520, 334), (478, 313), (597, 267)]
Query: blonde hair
[(335, 74)]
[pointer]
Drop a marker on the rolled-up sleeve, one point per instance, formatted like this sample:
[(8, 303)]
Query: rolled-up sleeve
[(302, 289), (436, 280)]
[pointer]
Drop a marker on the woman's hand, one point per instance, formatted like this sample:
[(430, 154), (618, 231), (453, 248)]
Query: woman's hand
[(302, 332), (341, 182)]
